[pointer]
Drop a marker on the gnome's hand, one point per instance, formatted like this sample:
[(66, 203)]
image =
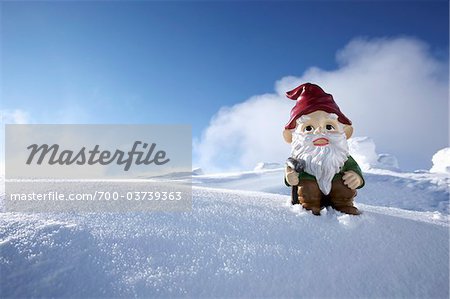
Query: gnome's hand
[(291, 176), (352, 179)]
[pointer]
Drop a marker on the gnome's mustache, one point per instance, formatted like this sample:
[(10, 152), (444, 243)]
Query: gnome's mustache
[(321, 139), (322, 142)]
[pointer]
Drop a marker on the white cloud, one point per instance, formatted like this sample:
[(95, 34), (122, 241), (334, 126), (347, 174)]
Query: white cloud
[(9, 116), (240, 136), (441, 161), (14, 116), (393, 90)]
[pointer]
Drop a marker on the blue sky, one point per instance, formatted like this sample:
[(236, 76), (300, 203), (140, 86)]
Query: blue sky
[(180, 62)]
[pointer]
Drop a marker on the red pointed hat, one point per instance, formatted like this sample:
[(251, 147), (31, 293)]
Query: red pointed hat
[(310, 97)]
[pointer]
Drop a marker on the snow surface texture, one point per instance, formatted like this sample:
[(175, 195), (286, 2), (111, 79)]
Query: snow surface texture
[(241, 239)]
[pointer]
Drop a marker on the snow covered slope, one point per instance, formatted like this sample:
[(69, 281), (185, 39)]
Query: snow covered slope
[(233, 243), (420, 191)]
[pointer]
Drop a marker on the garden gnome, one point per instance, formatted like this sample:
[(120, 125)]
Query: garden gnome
[(318, 131)]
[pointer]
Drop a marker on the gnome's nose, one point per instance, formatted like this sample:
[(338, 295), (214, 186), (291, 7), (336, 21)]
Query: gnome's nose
[(318, 130)]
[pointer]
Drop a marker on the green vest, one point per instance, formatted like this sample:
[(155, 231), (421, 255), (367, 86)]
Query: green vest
[(350, 164)]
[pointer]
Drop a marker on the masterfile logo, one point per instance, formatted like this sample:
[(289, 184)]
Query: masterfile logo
[(98, 167), (91, 157)]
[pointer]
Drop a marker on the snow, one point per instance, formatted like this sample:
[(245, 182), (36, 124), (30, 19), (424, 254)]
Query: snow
[(363, 149), (267, 165), (387, 161), (241, 239), (197, 171), (441, 161)]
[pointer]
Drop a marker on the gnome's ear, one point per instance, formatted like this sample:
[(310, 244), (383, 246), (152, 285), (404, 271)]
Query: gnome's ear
[(287, 135), (348, 131)]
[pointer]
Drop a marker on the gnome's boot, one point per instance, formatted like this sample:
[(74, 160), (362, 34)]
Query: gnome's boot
[(310, 195), (341, 198)]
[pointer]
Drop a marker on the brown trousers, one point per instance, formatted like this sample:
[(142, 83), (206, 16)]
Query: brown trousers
[(340, 197)]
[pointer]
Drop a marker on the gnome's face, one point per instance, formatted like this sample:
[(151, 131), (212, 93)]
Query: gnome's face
[(320, 140), (319, 122)]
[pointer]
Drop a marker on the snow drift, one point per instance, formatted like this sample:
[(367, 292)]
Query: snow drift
[(239, 242), (441, 161), (363, 149), (233, 244)]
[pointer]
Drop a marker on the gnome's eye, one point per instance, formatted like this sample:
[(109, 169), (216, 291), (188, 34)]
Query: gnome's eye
[(329, 128), (308, 129)]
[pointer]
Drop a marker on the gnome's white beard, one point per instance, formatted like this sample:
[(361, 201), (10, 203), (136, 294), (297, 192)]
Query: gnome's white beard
[(321, 161)]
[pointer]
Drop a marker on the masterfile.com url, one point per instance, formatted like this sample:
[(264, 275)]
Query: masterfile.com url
[(97, 196)]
